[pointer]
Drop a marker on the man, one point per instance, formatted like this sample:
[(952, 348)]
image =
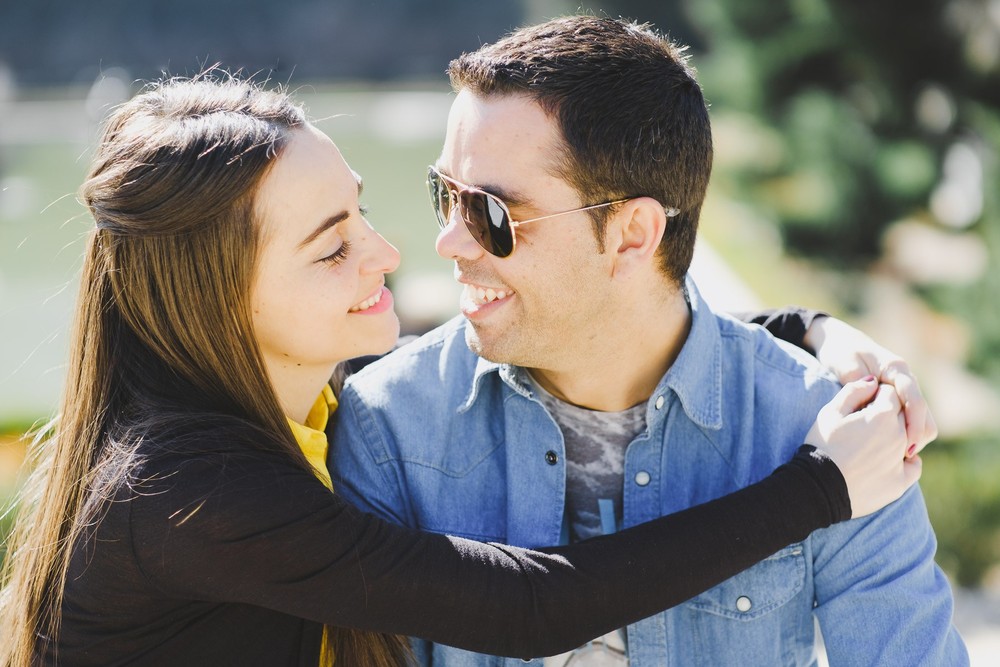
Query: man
[(588, 386)]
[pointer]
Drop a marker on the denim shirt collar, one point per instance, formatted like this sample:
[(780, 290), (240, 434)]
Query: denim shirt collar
[(484, 368), (695, 376)]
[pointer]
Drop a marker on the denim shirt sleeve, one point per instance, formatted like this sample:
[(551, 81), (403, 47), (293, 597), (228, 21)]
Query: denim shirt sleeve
[(881, 600), (360, 465)]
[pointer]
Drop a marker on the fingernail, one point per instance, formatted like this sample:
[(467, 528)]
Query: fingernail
[(911, 450), (868, 378)]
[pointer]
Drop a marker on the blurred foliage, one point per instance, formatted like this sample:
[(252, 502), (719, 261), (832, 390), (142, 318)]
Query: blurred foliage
[(6, 525), (11, 454), (874, 114), (867, 99), (963, 500)]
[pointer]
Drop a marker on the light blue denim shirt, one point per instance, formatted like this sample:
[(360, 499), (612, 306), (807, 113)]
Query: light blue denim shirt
[(434, 437)]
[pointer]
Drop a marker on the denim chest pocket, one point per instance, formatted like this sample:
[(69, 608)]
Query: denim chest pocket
[(758, 590)]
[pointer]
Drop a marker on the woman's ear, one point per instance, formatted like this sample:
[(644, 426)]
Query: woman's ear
[(641, 225)]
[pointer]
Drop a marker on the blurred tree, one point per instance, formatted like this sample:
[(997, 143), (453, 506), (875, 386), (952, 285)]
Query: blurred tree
[(886, 122), (869, 99)]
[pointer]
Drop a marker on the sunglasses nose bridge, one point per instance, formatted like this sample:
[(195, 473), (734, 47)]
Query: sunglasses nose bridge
[(455, 207), (457, 240), (484, 216)]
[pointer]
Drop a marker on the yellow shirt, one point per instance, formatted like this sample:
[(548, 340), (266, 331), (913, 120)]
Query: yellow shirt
[(311, 437)]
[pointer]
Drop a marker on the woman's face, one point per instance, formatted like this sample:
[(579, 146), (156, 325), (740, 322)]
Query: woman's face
[(319, 295)]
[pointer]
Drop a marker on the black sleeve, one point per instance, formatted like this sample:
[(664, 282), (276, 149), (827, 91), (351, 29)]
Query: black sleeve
[(268, 534), (788, 324)]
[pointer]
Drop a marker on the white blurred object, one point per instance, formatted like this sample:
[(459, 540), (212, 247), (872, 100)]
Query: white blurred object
[(110, 89), (408, 116), (927, 255), (424, 300), (18, 197), (935, 109), (719, 285), (957, 201)]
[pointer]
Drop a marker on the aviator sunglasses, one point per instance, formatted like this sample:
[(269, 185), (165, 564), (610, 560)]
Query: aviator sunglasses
[(485, 215)]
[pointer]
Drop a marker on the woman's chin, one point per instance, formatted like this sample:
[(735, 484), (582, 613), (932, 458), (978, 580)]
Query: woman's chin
[(377, 342)]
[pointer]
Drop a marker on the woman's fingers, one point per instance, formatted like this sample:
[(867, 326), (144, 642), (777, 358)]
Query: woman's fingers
[(863, 430), (912, 468), (855, 395), (920, 425)]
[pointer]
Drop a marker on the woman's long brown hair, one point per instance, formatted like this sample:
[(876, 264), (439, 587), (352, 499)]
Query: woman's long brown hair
[(166, 282)]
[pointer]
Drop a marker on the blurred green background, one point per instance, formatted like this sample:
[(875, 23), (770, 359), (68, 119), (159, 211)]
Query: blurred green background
[(857, 169)]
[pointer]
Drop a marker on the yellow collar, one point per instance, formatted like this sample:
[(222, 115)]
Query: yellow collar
[(311, 436)]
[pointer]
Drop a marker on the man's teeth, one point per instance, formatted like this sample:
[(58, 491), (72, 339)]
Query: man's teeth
[(368, 303), (483, 295)]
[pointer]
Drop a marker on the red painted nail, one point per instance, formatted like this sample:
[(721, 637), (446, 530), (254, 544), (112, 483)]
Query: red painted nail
[(911, 450)]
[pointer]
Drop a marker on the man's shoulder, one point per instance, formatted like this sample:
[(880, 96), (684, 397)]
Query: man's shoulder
[(783, 386), (771, 357), (436, 359), (766, 394)]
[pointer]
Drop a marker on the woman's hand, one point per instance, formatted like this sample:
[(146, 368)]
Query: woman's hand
[(863, 430), (851, 354)]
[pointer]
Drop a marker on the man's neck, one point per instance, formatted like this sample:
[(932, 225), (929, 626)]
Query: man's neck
[(624, 371)]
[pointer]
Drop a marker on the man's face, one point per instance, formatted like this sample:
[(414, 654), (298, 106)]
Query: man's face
[(546, 304)]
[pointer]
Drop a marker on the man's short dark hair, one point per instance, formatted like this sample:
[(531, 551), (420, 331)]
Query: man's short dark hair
[(633, 118)]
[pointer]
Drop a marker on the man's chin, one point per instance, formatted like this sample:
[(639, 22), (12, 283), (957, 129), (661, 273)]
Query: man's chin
[(484, 347)]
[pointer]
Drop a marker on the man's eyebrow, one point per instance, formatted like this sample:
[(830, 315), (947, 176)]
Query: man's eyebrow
[(333, 219), (512, 198)]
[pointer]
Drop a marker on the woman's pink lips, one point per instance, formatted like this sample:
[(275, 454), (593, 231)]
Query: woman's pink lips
[(384, 304)]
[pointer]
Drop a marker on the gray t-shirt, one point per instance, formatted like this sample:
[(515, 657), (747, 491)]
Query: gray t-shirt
[(595, 469)]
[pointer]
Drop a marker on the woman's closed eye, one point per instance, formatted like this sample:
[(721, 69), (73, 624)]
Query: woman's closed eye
[(338, 255)]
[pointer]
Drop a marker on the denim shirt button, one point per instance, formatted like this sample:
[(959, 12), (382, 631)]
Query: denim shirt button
[(659, 402), (642, 478), (551, 457), (743, 603)]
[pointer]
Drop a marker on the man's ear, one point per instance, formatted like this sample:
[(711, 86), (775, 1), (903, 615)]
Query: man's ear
[(636, 238)]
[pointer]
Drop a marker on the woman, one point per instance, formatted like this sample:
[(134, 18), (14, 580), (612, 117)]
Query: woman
[(181, 510)]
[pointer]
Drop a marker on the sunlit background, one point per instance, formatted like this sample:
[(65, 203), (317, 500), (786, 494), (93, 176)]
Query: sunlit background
[(856, 171)]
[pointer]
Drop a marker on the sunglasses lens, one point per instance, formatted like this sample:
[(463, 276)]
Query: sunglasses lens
[(488, 222), (484, 215), (440, 197)]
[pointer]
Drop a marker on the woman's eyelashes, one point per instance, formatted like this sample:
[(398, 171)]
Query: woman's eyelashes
[(338, 255)]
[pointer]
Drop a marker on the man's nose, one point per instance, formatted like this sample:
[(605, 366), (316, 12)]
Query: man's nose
[(455, 241)]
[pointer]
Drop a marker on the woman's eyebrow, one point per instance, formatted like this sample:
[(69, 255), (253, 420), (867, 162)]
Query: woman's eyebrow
[(332, 220), (323, 226)]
